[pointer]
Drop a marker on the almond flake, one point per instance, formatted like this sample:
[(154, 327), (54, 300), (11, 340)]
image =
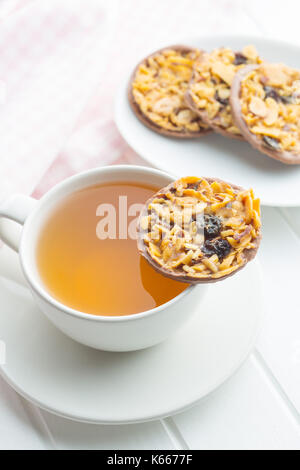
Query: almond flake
[(272, 111), (258, 107)]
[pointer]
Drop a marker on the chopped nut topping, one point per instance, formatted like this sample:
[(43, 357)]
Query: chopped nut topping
[(211, 83), (270, 103), (158, 89), (206, 228)]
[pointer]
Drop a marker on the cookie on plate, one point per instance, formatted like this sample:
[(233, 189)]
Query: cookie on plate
[(265, 103), (156, 93), (209, 90), (200, 229)]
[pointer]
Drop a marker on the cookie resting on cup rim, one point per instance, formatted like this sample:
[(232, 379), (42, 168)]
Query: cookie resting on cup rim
[(200, 229)]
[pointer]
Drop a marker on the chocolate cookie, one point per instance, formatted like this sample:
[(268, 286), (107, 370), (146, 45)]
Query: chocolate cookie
[(156, 93), (265, 103), (200, 229), (209, 90)]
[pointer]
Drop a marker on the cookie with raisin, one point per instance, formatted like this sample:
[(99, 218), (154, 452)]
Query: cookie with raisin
[(265, 102), (209, 89), (200, 229)]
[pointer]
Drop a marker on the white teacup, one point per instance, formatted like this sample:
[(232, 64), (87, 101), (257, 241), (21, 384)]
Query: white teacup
[(117, 333)]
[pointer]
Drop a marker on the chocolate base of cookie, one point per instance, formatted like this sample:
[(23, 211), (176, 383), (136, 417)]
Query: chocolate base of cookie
[(183, 134), (289, 158), (249, 255)]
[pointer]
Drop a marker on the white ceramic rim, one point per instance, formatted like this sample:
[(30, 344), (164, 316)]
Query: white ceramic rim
[(38, 287)]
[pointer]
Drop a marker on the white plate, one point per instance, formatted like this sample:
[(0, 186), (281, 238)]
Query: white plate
[(83, 384), (237, 162)]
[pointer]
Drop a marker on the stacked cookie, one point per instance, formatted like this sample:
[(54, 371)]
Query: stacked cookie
[(184, 92)]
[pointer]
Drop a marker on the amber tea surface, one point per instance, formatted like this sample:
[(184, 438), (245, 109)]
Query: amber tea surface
[(85, 269)]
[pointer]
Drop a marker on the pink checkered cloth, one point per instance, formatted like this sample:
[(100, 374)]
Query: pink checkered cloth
[(53, 57), (61, 62)]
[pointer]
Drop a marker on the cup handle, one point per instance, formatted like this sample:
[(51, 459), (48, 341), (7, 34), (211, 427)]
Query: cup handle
[(17, 208)]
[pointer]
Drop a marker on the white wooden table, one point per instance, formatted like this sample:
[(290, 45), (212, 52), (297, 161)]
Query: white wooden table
[(259, 407)]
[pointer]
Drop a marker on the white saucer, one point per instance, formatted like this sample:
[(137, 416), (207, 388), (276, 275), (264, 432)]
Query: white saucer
[(83, 384), (213, 155)]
